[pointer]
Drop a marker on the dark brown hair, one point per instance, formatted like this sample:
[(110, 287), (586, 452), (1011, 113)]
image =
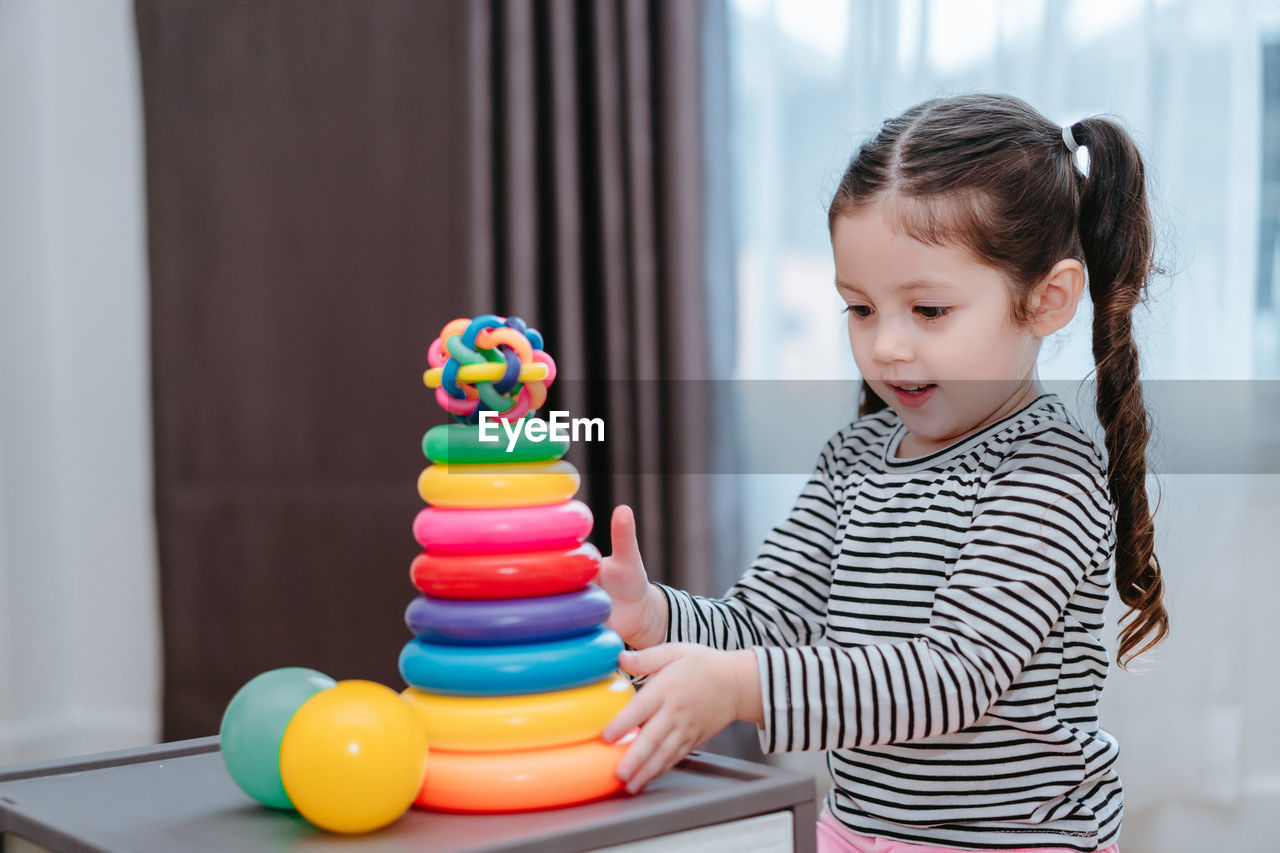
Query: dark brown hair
[(990, 173)]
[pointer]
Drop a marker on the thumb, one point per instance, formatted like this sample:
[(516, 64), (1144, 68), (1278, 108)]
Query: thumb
[(622, 533), (648, 661)]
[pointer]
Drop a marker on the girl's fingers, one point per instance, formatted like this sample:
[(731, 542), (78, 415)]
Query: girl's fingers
[(665, 756), (650, 660), (622, 532), (622, 572), (650, 738), (641, 707)]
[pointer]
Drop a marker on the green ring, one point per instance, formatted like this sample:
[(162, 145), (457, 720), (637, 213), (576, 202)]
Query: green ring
[(459, 444), (493, 400), (460, 352)]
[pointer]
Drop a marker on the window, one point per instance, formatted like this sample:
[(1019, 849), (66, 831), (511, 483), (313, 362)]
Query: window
[(1197, 83)]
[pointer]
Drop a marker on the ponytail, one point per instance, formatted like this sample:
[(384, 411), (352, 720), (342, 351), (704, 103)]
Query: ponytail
[(1116, 235)]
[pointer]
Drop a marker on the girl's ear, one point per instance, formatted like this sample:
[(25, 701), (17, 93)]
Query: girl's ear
[(1055, 299)]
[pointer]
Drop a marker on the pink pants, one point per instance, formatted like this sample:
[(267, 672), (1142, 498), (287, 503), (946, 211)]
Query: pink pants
[(835, 837)]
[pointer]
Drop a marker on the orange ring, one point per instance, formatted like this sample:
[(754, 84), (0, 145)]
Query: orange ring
[(491, 338), (523, 780), (453, 327)]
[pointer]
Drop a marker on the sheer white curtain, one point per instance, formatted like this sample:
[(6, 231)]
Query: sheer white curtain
[(79, 622), (1200, 754)]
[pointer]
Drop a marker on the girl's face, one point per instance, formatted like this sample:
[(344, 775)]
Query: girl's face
[(935, 316)]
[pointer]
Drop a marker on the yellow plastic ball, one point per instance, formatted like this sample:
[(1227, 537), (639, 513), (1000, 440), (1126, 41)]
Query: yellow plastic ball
[(353, 757)]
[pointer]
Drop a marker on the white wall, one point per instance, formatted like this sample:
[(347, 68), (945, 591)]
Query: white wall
[(79, 622)]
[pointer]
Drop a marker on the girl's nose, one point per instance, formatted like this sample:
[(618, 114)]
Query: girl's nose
[(892, 343)]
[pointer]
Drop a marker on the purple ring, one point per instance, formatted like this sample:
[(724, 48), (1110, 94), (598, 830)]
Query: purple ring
[(507, 620)]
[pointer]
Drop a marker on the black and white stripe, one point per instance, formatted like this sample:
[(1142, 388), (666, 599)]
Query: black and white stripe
[(936, 623)]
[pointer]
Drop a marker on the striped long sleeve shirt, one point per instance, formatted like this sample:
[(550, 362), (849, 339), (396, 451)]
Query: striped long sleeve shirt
[(935, 623)]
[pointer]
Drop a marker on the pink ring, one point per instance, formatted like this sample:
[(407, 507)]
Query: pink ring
[(455, 406), (545, 358), (495, 531)]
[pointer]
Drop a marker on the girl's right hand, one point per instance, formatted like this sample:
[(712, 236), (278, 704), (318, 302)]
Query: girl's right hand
[(639, 608)]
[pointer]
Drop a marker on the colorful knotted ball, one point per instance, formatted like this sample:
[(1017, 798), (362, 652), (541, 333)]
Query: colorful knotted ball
[(489, 363)]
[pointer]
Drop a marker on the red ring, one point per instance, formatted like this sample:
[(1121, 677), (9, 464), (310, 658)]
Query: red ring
[(522, 574)]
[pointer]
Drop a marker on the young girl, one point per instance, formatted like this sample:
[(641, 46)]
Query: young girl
[(931, 610)]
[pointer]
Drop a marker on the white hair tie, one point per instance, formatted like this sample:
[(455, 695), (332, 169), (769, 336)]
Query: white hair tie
[(1069, 138)]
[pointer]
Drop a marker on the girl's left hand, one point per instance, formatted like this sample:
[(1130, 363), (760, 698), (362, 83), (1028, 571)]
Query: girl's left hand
[(693, 692)]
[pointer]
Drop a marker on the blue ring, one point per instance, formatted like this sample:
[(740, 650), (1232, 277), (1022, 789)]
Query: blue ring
[(511, 375), (534, 336), (510, 670), (507, 620), (449, 379), (479, 324)]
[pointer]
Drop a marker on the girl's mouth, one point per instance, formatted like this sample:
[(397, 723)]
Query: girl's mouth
[(913, 395)]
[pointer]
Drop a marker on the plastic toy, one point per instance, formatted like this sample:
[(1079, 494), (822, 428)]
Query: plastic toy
[(353, 757), (458, 444), (518, 574), (489, 372), (507, 620), (510, 669), (253, 724), (493, 531), (488, 339), (531, 721), (502, 485), (511, 665), (524, 779)]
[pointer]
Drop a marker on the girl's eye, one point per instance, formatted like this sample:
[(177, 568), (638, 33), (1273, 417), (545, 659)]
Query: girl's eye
[(928, 312)]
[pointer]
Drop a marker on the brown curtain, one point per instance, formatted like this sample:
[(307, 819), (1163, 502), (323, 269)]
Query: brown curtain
[(302, 188), (329, 182), (588, 189)]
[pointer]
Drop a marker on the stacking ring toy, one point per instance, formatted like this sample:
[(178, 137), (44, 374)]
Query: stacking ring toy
[(510, 669), (492, 531), (514, 620), (461, 444), (504, 723), (523, 780), (515, 484), (519, 574)]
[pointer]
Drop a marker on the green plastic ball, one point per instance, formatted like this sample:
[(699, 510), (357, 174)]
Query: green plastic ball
[(254, 723)]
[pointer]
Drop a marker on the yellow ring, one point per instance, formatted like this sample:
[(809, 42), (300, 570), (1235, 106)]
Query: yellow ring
[(498, 484), (490, 371), (532, 721)]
